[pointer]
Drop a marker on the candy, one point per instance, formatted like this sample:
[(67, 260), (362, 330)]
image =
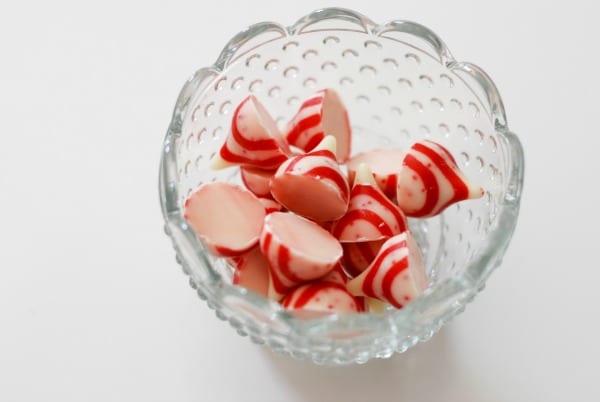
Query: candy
[(337, 275), (298, 250), (358, 256), (257, 181), (270, 205), (251, 271), (430, 181), (322, 297), (371, 215), (299, 234), (322, 114), (385, 165), (397, 275), (312, 185), (254, 139), (226, 217)]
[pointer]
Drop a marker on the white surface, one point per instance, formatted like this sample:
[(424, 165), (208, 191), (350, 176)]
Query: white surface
[(92, 304)]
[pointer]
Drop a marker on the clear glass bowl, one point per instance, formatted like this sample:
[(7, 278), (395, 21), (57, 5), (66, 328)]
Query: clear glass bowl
[(400, 84)]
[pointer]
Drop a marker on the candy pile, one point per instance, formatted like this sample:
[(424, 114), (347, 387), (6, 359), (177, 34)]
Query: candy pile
[(314, 228)]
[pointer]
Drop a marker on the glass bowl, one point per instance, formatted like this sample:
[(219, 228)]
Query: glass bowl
[(400, 84)]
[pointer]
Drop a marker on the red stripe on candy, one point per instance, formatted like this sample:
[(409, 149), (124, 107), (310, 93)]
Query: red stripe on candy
[(266, 144), (310, 291), (325, 172), (461, 191), (303, 125), (283, 262), (370, 191), (274, 161), (390, 276), (367, 286), (430, 183), (314, 141), (365, 215), (312, 101)]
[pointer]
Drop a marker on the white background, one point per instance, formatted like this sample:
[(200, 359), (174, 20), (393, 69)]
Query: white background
[(92, 304)]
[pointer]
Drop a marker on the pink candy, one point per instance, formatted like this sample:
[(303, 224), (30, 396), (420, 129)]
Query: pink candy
[(297, 250), (227, 218), (254, 139), (299, 234), (396, 275), (371, 215), (312, 185), (322, 114), (430, 181)]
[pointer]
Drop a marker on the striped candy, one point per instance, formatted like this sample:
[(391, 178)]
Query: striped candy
[(371, 215), (298, 250), (358, 256), (396, 276), (312, 185), (226, 217), (385, 165), (322, 114), (322, 297), (251, 271), (337, 275), (270, 205), (430, 181), (258, 181), (254, 139)]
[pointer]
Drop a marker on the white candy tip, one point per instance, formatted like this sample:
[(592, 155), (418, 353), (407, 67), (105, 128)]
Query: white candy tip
[(327, 143), (475, 191), (354, 287), (376, 306), (218, 163), (364, 175)]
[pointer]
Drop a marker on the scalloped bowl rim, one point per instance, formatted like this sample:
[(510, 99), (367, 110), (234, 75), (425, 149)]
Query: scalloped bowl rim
[(467, 284)]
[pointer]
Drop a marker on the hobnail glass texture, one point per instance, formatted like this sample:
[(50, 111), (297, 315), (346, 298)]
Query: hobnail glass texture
[(400, 84)]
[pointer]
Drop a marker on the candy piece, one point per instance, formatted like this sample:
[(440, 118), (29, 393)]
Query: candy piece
[(371, 215), (358, 256), (337, 275), (430, 181), (254, 139), (312, 185), (226, 217), (257, 181), (322, 297), (270, 205), (297, 249), (251, 271), (385, 165), (374, 305), (397, 275), (322, 114)]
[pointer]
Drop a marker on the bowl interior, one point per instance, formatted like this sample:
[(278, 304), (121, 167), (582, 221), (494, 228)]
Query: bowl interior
[(396, 93)]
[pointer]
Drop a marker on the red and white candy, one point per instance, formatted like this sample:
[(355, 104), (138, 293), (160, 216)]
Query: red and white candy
[(252, 271), (320, 115), (337, 275), (371, 215), (312, 185), (430, 181), (226, 217), (298, 250), (397, 275), (358, 256), (270, 205), (385, 165), (258, 181), (324, 298), (254, 139)]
